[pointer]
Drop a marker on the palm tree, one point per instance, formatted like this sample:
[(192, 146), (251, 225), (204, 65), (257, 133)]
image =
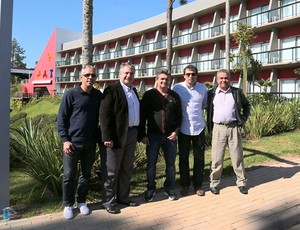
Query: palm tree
[(243, 36), (87, 32), (169, 31), (227, 34)]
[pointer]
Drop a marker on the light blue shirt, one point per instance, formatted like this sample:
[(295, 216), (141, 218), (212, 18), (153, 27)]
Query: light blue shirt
[(224, 109), (133, 105), (193, 101)]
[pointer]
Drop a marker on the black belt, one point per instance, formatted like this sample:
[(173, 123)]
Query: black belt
[(227, 124), (131, 127)]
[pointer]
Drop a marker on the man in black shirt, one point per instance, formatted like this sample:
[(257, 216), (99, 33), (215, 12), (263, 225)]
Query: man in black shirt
[(161, 110)]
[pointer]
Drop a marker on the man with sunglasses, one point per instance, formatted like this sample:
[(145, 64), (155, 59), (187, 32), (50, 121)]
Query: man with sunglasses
[(193, 96), (77, 125)]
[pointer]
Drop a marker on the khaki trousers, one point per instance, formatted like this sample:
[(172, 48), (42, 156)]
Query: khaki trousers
[(222, 136)]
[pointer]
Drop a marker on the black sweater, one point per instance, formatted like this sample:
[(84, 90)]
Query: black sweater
[(78, 115), (161, 114)]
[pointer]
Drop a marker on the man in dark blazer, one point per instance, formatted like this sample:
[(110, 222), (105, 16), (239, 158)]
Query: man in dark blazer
[(119, 118)]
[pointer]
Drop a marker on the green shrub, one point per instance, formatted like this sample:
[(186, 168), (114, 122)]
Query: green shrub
[(262, 120), (17, 117), (273, 116), (140, 154), (38, 153)]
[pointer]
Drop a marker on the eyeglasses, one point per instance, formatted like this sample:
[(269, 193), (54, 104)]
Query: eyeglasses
[(89, 75), (190, 74)]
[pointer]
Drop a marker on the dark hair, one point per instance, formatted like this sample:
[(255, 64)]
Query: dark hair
[(191, 67)]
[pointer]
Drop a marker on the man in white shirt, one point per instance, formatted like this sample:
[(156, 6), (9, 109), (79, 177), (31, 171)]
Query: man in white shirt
[(119, 119), (227, 111), (193, 96)]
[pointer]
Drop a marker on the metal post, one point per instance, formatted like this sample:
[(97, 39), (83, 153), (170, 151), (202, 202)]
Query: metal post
[(6, 8)]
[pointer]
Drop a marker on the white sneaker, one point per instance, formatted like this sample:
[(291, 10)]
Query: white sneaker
[(84, 210), (68, 213)]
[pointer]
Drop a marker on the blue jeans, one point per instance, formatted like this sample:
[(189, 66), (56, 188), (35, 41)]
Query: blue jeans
[(86, 154), (169, 149)]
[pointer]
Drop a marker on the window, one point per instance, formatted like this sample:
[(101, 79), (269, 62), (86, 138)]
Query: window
[(289, 87), (150, 69), (259, 52), (205, 63), (185, 37), (112, 52), (258, 16), (111, 72), (123, 49), (256, 88), (136, 47), (204, 30), (150, 44), (289, 10), (234, 52), (288, 53), (100, 74), (233, 23)]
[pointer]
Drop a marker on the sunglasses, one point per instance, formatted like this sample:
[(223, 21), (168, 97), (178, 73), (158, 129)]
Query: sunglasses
[(89, 75), (190, 74)]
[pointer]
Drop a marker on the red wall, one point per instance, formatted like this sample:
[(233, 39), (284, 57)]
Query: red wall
[(45, 69), (291, 31)]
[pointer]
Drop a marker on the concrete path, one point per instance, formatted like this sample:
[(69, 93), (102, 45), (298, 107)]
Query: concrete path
[(273, 203)]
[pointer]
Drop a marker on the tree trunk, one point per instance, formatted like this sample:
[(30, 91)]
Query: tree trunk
[(87, 32), (169, 34), (227, 35)]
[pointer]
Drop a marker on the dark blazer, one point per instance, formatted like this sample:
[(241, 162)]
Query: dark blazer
[(114, 115), (242, 106)]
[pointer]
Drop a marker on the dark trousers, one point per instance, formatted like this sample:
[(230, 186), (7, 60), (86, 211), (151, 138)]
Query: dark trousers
[(169, 149), (85, 154), (119, 164), (184, 146)]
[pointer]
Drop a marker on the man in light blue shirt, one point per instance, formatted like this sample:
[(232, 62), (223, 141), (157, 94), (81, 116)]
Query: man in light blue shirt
[(193, 96)]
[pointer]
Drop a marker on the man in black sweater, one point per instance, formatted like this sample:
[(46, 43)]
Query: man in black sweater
[(161, 111), (77, 125)]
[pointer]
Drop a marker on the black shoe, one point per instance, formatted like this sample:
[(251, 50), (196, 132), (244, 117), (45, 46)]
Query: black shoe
[(171, 195), (214, 190), (113, 209), (129, 203), (184, 191), (149, 194), (243, 190)]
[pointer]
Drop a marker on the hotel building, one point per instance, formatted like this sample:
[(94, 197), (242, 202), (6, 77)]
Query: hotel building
[(198, 39)]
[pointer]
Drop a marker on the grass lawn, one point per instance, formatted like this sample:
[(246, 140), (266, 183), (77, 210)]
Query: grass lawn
[(28, 198)]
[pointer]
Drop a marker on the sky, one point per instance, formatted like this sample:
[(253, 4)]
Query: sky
[(35, 20)]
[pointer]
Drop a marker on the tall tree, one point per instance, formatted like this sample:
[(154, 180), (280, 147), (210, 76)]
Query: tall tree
[(87, 32), (227, 34), (169, 31), (243, 36), (17, 55)]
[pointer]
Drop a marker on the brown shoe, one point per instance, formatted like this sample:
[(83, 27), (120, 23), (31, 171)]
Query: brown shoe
[(200, 192)]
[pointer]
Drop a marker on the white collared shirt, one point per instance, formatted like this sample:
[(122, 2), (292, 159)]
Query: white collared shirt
[(133, 105), (224, 109), (193, 101)]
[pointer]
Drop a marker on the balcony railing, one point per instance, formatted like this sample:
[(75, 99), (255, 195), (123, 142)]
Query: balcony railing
[(290, 10), (279, 56)]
